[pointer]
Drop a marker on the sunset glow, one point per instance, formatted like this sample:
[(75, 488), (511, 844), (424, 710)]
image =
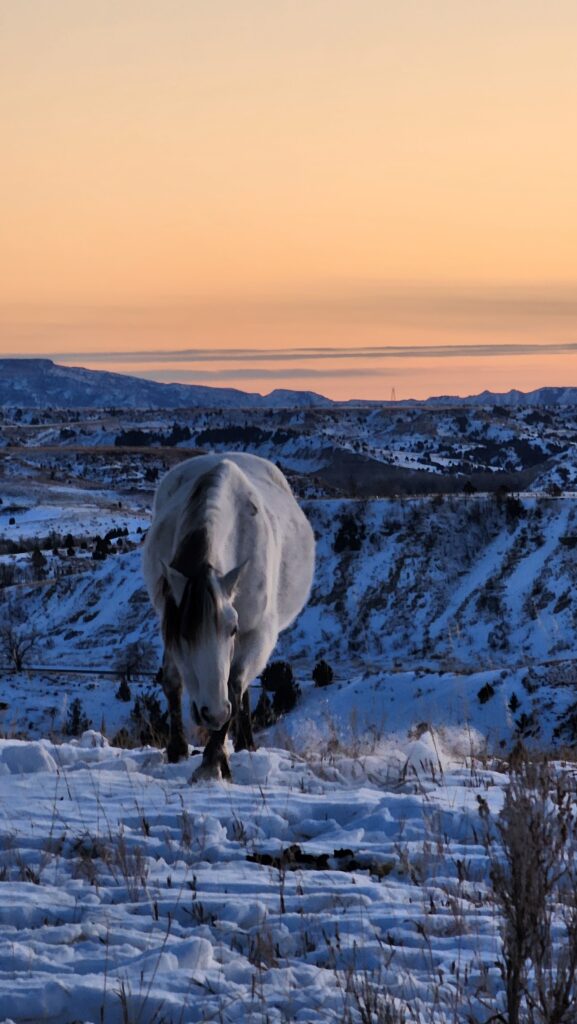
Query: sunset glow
[(344, 196)]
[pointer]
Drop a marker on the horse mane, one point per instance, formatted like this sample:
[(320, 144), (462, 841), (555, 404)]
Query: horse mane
[(199, 601)]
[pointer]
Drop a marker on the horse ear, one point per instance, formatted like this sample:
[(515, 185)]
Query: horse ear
[(230, 580), (176, 581)]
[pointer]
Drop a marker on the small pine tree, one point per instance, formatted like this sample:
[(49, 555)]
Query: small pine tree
[(38, 562), (101, 549), (514, 509), (263, 714), (323, 674), (150, 720), (123, 691), (279, 680), (286, 698), (276, 676), (77, 722), (349, 536), (485, 693)]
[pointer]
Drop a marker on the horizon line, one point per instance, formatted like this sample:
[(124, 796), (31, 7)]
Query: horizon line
[(351, 400)]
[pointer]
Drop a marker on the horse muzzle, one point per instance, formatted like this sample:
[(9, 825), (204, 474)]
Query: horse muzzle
[(210, 719)]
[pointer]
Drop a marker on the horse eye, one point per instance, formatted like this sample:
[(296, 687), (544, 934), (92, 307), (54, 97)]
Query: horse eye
[(234, 631)]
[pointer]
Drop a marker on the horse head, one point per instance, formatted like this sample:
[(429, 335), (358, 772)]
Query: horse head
[(200, 629)]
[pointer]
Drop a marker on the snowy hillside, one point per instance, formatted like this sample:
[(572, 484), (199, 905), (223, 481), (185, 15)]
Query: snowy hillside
[(338, 450), (420, 602)]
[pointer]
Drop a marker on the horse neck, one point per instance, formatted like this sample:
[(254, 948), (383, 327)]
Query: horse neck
[(215, 515)]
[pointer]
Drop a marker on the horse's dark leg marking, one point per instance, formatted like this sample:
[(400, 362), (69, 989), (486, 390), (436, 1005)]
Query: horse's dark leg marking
[(177, 745), (241, 723), (243, 737), (215, 756)]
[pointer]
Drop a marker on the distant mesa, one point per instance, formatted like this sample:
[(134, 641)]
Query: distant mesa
[(513, 398), (40, 383)]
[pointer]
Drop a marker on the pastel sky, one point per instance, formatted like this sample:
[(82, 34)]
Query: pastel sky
[(345, 195)]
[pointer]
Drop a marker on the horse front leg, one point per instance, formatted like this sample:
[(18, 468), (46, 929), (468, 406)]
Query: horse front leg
[(214, 759), (177, 745), (243, 737), (215, 763), (241, 721)]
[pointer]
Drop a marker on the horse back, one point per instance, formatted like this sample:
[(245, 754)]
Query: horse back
[(268, 530)]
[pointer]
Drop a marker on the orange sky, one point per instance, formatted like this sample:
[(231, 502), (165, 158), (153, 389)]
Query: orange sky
[(392, 180)]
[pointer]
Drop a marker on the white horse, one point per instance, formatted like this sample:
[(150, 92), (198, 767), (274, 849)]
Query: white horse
[(228, 562)]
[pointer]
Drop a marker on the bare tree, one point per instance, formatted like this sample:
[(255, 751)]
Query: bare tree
[(534, 878), (137, 657), (17, 638)]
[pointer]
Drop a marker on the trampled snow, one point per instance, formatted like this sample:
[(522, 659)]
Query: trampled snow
[(129, 894)]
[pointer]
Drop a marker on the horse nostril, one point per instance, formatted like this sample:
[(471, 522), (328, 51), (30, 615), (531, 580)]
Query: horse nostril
[(215, 721), (208, 719)]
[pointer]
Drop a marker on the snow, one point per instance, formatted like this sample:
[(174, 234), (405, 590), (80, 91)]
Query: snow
[(26, 758), (126, 888), (71, 510), (348, 850)]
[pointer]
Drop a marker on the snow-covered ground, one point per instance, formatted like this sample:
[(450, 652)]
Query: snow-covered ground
[(343, 871), (32, 520), (129, 895)]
